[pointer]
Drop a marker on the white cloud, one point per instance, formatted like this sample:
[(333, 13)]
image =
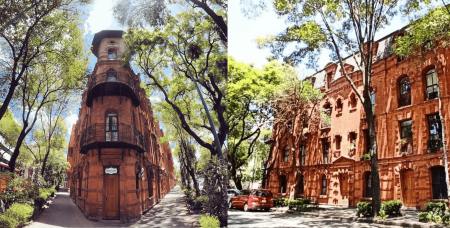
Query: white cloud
[(154, 99), (100, 17), (70, 121)]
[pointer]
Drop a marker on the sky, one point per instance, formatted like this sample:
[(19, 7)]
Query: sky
[(243, 32)]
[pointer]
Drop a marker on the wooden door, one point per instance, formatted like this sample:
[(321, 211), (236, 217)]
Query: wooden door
[(409, 188), (344, 186), (111, 197)]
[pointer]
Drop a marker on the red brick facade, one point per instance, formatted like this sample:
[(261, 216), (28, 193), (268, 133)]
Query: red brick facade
[(118, 167), (409, 170)]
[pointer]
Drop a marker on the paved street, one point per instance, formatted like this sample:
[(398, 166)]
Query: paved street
[(170, 212), (239, 218)]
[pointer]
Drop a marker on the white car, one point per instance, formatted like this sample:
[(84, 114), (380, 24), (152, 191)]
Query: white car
[(231, 193)]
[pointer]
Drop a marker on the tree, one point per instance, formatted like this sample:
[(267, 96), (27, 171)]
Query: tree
[(33, 35), (249, 93), (153, 51), (430, 33), (156, 13), (346, 27), (50, 80), (9, 131)]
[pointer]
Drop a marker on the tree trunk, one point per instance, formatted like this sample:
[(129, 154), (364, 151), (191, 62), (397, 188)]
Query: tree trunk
[(8, 98), (375, 172), (12, 161), (45, 159)]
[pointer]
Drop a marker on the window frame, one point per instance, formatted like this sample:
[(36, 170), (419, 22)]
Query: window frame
[(368, 191), (301, 185), (325, 150), (111, 52), (434, 87), (303, 152), (338, 139), (438, 182), (109, 125), (283, 183), (286, 154), (324, 185), (404, 87), (434, 140)]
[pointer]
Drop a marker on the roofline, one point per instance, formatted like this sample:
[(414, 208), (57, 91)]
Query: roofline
[(104, 34)]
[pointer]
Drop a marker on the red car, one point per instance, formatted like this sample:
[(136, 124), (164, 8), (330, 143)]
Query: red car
[(257, 199)]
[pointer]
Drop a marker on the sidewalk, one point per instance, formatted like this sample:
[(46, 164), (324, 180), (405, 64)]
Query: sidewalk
[(170, 212), (409, 218)]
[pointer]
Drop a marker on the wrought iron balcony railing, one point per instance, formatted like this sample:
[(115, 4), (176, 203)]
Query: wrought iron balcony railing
[(112, 84), (117, 135)]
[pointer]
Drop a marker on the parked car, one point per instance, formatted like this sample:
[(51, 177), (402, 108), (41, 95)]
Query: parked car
[(231, 193), (257, 199)]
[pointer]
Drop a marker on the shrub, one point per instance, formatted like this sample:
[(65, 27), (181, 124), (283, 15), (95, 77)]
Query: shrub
[(392, 207), (18, 189), (278, 202), (437, 207), (209, 221), (365, 156), (383, 215), (436, 218), (40, 201), (446, 219), (9, 222), (20, 212), (424, 217), (364, 208), (298, 204)]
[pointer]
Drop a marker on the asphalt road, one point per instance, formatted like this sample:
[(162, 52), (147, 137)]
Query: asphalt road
[(239, 218)]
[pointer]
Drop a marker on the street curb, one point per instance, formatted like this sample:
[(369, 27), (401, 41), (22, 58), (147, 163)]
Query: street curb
[(370, 220)]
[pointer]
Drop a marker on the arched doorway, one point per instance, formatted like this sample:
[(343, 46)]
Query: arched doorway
[(409, 188)]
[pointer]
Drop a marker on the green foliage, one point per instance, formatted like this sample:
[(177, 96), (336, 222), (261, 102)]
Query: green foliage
[(436, 206), (383, 215), (8, 222), (209, 221), (279, 202), (425, 34), (20, 212), (392, 207), (17, 190), (299, 204), (424, 216), (364, 208), (365, 157)]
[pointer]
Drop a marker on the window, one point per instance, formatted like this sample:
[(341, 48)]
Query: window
[(325, 148), (372, 99), (112, 54), (339, 105), (287, 151), (301, 185), (338, 142), (324, 185), (112, 76), (439, 184), (406, 129), (112, 133), (329, 80), (150, 184), (353, 100), (303, 148), (137, 177), (283, 183), (368, 185), (405, 92), (432, 85), (80, 177), (367, 140), (435, 132)]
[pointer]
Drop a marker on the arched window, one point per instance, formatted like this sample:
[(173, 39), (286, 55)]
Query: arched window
[(368, 185), (287, 151), (432, 89), (112, 133), (111, 75), (439, 184), (353, 100), (405, 92), (324, 186), (112, 54)]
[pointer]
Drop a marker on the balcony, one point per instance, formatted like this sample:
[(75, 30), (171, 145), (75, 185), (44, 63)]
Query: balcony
[(115, 84), (126, 136)]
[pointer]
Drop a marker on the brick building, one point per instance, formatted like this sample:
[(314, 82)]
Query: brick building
[(118, 167), (328, 167)]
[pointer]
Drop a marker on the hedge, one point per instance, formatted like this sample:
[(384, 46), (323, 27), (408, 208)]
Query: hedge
[(364, 208), (392, 207), (20, 212), (209, 221), (6, 221)]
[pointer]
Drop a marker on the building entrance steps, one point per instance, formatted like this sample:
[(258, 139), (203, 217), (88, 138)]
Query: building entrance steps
[(171, 211)]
